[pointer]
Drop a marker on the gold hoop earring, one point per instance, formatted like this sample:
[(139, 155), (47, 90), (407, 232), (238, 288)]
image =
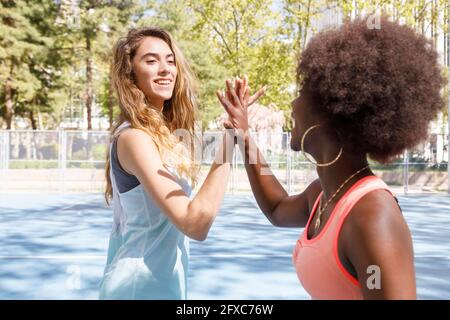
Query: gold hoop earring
[(302, 146)]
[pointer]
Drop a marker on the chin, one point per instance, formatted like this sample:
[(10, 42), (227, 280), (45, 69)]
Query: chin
[(161, 96), (295, 142), (161, 93), (165, 97), (295, 145)]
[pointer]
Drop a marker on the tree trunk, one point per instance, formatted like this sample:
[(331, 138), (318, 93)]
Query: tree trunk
[(308, 18), (40, 121), (32, 120), (8, 103), (89, 97)]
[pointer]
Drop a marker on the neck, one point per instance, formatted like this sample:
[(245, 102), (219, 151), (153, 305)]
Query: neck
[(159, 105), (333, 176)]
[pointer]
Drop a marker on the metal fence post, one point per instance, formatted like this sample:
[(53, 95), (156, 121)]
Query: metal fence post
[(288, 163), (7, 147), (448, 150), (233, 172), (62, 158), (405, 172), (2, 150)]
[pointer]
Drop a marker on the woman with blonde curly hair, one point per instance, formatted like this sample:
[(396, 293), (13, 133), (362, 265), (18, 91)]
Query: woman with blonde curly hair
[(148, 169)]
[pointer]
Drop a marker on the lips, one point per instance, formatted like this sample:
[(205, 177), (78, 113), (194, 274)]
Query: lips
[(163, 82)]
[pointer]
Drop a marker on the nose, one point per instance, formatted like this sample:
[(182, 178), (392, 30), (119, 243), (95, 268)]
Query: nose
[(163, 67)]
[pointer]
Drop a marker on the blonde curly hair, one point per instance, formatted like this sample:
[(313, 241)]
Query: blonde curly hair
[(178, 113)]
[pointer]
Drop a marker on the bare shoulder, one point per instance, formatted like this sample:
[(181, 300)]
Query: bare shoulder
[(136, 149), (134, 137), (376, 215), (135, 142)]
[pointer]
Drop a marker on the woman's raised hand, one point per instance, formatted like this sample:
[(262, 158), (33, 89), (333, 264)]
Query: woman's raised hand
[(236, 100)]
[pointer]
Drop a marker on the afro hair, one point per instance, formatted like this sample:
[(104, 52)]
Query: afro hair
[(378, 87)]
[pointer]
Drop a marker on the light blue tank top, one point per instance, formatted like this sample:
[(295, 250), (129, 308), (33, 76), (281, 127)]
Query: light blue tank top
[(147, 255)]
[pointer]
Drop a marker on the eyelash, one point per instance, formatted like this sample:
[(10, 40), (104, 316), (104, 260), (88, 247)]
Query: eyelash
[(152, 61)]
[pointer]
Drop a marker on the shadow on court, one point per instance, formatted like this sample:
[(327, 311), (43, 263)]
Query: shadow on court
[(54, 247)]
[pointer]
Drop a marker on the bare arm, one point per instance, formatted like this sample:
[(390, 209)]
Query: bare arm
[(139, 156), (279, 208), (378, 244)]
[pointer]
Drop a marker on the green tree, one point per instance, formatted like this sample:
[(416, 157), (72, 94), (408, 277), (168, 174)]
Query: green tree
[(246, 39), (94, 25), (297, 19), (22, 49)]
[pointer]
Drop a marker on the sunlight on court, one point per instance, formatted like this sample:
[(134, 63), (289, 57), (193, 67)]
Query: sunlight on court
[(54, 247)]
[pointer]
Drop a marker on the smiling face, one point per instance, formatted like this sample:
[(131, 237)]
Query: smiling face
[(155, 70)]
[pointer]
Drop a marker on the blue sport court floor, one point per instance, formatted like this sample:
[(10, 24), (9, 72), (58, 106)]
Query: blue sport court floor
[(54, 247)]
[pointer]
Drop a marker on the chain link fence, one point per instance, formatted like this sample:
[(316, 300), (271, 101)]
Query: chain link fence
[(73, 161)]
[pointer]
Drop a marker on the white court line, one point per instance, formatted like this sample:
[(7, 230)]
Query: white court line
[(254, 256), (242, 255), (64, 257), (47, 222)]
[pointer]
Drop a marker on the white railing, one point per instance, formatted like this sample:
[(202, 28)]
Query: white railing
[(68, 161)]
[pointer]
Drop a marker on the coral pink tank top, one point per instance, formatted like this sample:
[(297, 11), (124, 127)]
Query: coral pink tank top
[(317, 261)]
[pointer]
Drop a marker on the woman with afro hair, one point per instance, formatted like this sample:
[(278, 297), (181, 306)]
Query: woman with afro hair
[(365, 93)]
